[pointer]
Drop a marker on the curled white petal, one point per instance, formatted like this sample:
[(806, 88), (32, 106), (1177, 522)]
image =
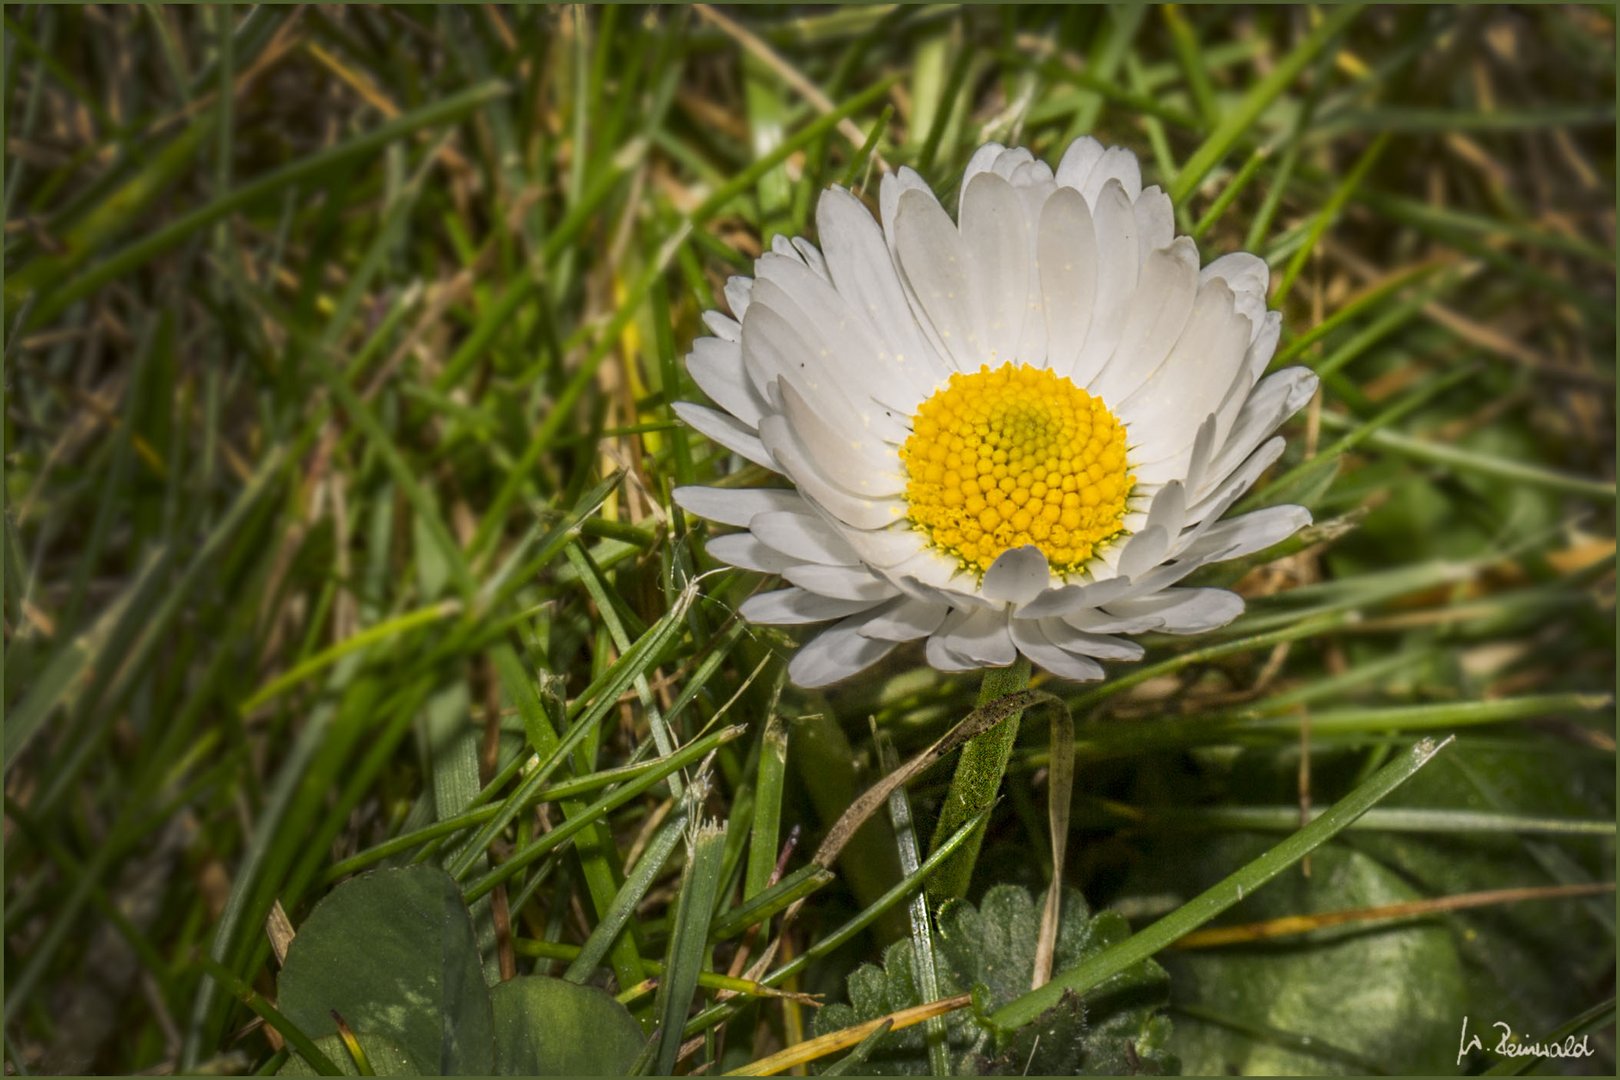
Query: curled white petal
[(729, 432), (749, 552), (1029, 635), (803, 536), (1183, 611), (736, 506), (905, 619), (1017, 576), (836, 654), (716, 365), (793, 606), (844, 582)]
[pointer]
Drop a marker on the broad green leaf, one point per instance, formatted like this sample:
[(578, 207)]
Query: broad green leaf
[(1384, 993), (1061, 1036), (1530, 964), (393, 953), (552, 1027), (383, 1057), (990, 950)]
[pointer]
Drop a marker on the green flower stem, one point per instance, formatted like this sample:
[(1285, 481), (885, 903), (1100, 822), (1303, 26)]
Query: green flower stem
[(976, 783)]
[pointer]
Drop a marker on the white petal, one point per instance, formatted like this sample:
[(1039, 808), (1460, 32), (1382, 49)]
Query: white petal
[(813, 482), (983, 159), (996, 241), (836, 654), (1117, 163), (929, 574), (1185, 463), (1231, 539), (1245, 273), (1078, 161), (956, 597), (1263, 346), (1278, 397), (1066, 246), (739, 291), (1074, 598), (723, 327), (1031, 347), (863, 463), (885, 548), (716, 365), (1118, 257), (1244, 535), (892, 187), (736, 506), (794, 606), (783, 246), (933, 263), (1008, 162), (1086, 643), (1217, 502), (1098, 621), (1158, 313), (1248, 372), (905, 619), (941, 658), (824, 347), (812, 257), (863, 270), (842, 582), (1017, 576), (770, 348), (1169, 510), (1192, 379), (981, 637), (1035, 175), (1218, 545), (1144, 551), (727, 431), (1028, 636), (805, 536), (747, 551), (1155, 220), (1184, 611), (1200, 454)]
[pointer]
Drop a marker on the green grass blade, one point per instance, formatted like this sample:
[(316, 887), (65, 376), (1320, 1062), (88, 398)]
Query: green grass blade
[(688, 943), (1241, 119), (636, 884), (155, 243)]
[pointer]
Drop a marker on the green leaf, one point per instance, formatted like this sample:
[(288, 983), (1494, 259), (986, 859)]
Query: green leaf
[(1530, 964), (393, 953), (1060, 1037), (382, 1054), (688, 941), (1386, 993), (991, 950), (552, 1027)]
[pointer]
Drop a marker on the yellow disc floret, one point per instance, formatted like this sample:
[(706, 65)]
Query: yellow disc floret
[(1015, 456)]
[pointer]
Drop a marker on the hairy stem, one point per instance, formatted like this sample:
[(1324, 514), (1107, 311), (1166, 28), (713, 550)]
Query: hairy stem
[(976, 783)]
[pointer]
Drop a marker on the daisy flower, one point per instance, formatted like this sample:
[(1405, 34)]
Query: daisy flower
[(1012, 433)]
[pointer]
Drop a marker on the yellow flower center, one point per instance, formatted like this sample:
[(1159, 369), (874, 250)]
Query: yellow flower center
[(1019, 455)]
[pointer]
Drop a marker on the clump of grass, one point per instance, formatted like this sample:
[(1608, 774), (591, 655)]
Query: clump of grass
[(340, 344)]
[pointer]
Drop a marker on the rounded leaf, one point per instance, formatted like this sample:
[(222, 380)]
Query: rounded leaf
[(552, 1027), (393, 953)]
